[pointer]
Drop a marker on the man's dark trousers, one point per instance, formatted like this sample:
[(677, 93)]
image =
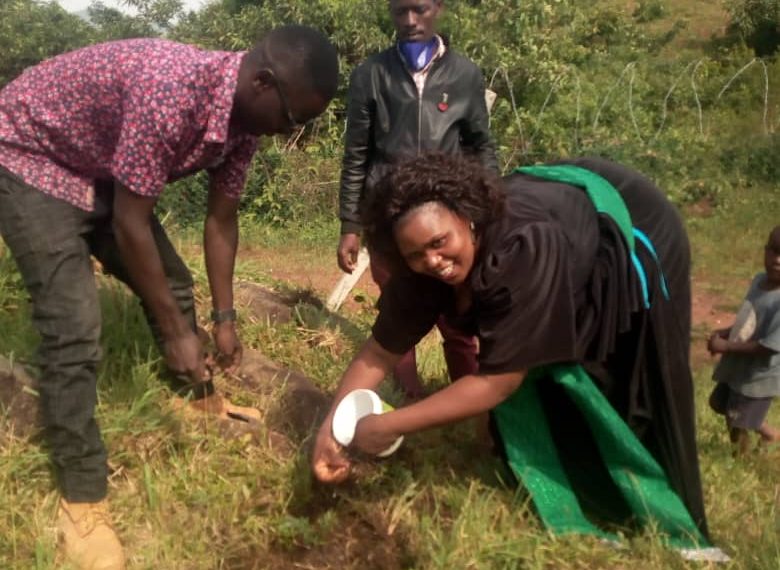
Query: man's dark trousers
[(52, 243)]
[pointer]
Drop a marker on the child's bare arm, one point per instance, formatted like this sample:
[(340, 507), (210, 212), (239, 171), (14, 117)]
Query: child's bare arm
[(716, 336), (720, 345), (723, 333)]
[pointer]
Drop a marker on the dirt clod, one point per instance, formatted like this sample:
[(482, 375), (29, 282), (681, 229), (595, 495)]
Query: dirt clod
[(301, 405), (261, 304)]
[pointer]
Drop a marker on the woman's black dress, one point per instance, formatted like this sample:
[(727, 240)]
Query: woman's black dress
[(553, 283)]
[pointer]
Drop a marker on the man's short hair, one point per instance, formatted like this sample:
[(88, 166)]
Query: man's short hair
[(300, 56)]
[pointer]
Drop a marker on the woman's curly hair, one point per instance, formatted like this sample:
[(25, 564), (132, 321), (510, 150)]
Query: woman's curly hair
[(461, 184)]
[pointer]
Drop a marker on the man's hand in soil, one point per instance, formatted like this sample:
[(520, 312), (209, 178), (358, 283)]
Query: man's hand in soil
[(184, 355), (229, 349)]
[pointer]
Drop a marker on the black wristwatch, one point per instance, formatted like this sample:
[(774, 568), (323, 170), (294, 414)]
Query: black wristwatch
[(223, 316)]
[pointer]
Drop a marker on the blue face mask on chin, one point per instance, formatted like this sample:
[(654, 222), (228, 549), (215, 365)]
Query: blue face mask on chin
[(418, 54)]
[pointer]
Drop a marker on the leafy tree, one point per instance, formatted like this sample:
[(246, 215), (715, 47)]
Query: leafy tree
[(33, 30), (151, 18), (356, 28), (113, 24), (758, 23), (571, 78)]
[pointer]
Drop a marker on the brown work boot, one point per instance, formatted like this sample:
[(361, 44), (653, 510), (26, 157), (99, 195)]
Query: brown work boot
[(88, 538), (217, 406)]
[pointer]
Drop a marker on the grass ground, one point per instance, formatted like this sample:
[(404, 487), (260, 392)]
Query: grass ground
[(186, 498)]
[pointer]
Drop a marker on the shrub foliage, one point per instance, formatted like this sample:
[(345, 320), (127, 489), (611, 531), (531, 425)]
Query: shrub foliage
[(571, 78)]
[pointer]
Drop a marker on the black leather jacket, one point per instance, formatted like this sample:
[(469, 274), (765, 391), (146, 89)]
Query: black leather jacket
[(387, 119)]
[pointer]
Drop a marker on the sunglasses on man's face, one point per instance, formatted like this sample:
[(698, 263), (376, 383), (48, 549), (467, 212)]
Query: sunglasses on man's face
[(292, 123)]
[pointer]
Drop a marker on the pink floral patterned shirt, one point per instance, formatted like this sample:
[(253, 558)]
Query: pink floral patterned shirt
[(143, 112)]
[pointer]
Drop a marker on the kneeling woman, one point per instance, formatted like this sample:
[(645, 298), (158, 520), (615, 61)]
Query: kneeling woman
[(558, 270)]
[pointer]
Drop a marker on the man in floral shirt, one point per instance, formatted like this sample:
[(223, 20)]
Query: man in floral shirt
[(88, 141)]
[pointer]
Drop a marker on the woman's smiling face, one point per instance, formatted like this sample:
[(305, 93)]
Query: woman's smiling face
[(435, 241)]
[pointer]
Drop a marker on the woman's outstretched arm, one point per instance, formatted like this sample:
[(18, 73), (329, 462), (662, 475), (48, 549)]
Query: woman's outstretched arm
[(467, 397)]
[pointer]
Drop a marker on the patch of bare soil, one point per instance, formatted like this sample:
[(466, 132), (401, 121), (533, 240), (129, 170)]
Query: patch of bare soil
[(354, 543), (309, 271), (706, 317), (702, 208), (301, 405), (705, 311)]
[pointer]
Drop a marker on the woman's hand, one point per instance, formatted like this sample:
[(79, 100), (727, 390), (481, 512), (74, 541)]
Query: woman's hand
[(372, 436), (329, 462)]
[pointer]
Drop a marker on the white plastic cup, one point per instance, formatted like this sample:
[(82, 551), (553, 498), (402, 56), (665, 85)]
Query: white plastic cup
[(352, 408)]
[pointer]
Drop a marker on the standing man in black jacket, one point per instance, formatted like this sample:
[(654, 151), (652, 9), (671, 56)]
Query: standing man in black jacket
[(416, 96)]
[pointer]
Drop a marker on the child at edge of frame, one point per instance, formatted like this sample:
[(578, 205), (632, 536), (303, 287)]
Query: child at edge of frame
[(748, 374)]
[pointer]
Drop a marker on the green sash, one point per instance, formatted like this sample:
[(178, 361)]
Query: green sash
[(534, 460), (606, 199)]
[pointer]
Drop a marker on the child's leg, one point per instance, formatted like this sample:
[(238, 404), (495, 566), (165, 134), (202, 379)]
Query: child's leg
[(719, 399), (745, 415), (769, 434), (726, 403), (741, 440)]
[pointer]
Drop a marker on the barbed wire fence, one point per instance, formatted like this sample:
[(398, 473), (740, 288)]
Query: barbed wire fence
[(626, 78)]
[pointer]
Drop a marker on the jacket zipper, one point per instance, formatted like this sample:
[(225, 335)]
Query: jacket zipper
[(419, 116), (420, 93)]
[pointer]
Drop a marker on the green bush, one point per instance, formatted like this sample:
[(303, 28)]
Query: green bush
[(757, 22), (285, 187), (31, 30), (756, 159), (290, 188), (572, 78), (649, 10)]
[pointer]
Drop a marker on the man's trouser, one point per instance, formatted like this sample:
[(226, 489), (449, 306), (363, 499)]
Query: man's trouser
[(52, 241)]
